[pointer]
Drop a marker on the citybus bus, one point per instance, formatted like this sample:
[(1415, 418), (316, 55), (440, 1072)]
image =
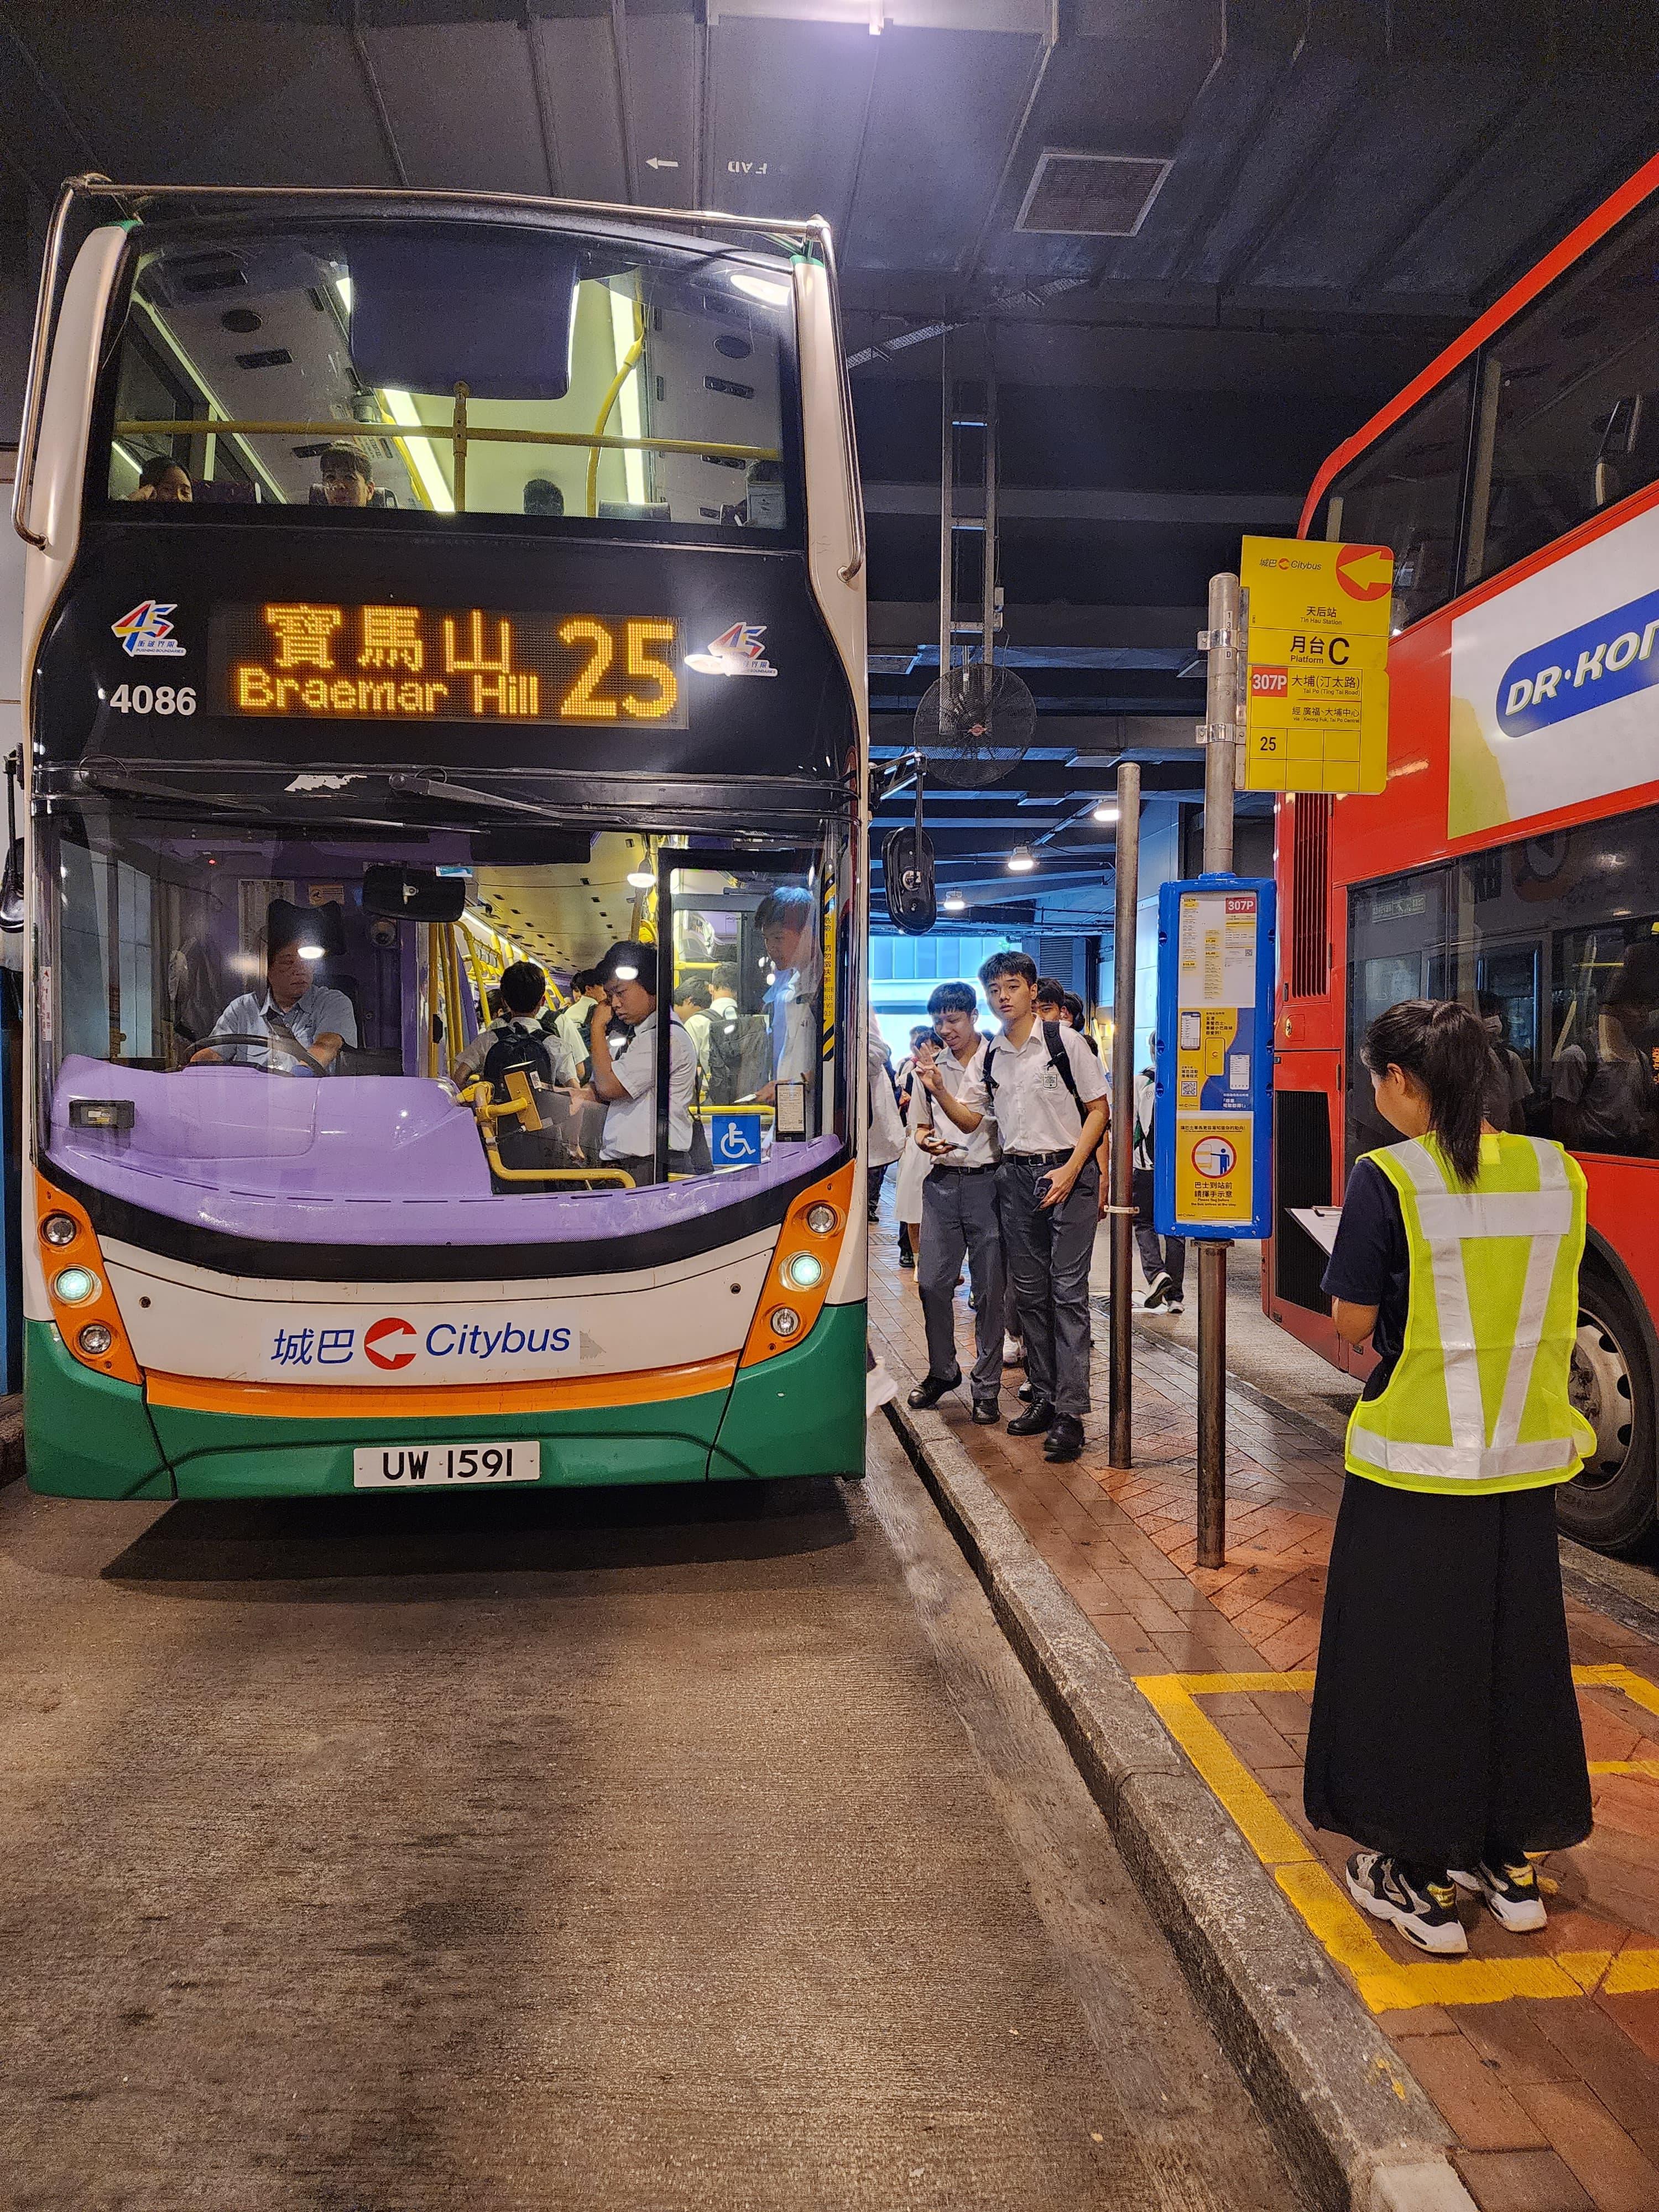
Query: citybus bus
[(417, 581), (1512, 860)]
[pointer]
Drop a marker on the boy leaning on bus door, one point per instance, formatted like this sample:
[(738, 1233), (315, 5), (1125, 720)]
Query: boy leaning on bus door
[(1445, 1736)]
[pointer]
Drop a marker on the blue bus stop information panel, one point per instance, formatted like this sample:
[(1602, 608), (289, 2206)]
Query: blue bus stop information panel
[(1212, 1118)]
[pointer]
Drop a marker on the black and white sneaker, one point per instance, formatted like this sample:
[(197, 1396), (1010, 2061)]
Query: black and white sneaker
[(1425, 1914), (1156, 1290), (1173, 1302), (1510, 1893)]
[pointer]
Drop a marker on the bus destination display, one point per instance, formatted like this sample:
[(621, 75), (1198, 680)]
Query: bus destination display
[(323, 661)]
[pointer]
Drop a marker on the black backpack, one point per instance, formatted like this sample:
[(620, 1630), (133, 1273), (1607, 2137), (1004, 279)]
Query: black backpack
[(1057, 1053), (516, 1049)]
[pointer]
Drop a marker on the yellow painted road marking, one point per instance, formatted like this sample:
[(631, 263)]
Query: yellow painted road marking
[(1348, 1936)]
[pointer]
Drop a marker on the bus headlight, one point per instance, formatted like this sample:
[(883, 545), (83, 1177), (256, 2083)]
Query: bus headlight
[(821, 1220), (783, 1321), (803, 1272), (75, 1286), (60, 1229), (96, 1338)]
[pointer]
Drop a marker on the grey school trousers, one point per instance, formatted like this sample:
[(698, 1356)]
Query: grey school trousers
[(958, 1215), (1048, 1254)]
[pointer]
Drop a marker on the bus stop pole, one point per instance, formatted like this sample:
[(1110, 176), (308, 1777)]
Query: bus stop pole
[(1120, 1179), (1224, 645)]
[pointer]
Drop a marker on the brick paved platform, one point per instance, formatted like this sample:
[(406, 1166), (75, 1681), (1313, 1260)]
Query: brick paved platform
[(1542, 2053)]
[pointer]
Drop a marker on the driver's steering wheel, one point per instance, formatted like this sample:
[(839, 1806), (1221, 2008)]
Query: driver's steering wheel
[(294, 1052)]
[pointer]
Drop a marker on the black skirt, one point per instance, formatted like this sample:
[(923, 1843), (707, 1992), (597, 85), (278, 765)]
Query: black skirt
[(1444, 1719)]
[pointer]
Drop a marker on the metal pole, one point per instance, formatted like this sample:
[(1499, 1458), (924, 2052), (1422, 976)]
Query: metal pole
[(1220, 711), (1126, 896), (947, 584), (988, 538)]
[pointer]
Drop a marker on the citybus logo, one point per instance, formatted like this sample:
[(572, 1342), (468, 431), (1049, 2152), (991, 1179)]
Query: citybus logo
[(381, 1334), (1608, 659)]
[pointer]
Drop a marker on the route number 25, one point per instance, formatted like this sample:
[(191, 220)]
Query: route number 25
[(163, 699)]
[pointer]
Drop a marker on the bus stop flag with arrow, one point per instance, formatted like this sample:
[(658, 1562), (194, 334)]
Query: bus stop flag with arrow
[(1317, 694)]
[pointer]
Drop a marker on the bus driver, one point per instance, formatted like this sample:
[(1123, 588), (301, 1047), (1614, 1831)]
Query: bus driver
[(305, 1022)]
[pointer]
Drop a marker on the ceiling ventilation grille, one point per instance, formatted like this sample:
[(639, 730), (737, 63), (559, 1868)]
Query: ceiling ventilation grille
[(1091, 194)]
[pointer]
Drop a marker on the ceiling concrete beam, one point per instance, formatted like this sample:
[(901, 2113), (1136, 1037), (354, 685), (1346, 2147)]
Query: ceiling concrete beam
[(895, 625), (1262, 511)]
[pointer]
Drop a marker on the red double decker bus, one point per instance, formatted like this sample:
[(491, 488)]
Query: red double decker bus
[(1512, 861)]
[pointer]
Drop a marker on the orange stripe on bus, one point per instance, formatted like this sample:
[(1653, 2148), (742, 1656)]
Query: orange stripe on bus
[(648, 1386)]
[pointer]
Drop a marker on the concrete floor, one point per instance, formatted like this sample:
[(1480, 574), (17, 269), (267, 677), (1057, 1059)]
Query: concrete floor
[(650, 1849)]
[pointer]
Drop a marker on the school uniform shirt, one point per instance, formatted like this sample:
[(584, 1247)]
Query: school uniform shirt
[(1033, 1108), (965, 1081), (1370, 1265), (792, 1018), (318, 1011), (630, 1123)]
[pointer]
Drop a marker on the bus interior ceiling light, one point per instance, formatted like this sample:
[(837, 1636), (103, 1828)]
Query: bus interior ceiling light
[(765, 288), (641, 878), (1022, 859)]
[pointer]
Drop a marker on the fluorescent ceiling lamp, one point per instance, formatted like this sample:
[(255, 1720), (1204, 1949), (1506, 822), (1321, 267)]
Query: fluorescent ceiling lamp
[(642, 880), (311, 952), (954, 902), (1107, 813), (422, 459), (761, 288), (625, 974), (1022, 860)]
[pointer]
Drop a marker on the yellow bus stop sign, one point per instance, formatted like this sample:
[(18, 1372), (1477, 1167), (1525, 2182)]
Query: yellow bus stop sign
[(1316, 703)]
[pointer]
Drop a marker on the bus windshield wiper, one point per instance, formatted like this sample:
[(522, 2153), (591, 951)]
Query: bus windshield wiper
[(119, 779)]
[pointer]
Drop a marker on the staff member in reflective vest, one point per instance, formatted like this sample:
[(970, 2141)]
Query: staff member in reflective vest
[(1445, 1736)]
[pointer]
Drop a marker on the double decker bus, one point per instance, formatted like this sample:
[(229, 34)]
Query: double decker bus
[(420, 584), (1512, 860)]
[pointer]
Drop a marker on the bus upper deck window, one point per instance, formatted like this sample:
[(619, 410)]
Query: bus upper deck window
[(428, 368)]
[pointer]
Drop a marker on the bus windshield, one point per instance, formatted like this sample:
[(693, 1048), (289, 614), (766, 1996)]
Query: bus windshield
[(443, 368), (291, 1031)]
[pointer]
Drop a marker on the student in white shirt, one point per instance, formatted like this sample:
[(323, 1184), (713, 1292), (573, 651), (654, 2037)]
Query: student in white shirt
[(959, 1210), (625, 1074), (1048, 1096)]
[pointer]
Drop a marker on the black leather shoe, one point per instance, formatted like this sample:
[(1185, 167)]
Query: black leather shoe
[(1033, 1423), (1064, 1439), (986, 1412), (930, 1392)]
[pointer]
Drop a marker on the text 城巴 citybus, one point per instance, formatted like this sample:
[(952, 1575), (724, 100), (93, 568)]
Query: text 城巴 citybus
[(421, 586), (1512, 860)]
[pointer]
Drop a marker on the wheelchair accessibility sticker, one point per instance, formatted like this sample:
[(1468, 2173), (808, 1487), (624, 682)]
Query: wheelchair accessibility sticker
[(734, 1140)]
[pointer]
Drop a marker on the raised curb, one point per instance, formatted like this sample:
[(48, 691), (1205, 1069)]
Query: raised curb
[(1348, 2117)]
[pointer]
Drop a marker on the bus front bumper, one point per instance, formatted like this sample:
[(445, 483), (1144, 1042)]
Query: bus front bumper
[(798, 1413)]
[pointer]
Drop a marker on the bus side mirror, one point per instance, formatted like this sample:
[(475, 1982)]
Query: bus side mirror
[(11, 889), (413, 894)]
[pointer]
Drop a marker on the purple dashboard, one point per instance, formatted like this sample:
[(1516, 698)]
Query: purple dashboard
[(376, 1159)]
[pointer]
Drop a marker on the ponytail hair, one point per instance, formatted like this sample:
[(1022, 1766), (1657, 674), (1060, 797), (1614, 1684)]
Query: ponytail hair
[(1444, 1047)]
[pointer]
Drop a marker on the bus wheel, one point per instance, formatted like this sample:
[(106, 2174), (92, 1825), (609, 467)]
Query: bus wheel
[(1611, 1503)]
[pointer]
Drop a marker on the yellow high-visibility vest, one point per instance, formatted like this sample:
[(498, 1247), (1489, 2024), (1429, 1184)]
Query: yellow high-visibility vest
[(1479, 1402)]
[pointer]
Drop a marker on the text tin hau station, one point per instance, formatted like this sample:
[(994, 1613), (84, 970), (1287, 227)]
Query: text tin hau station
[(1212, 1119)]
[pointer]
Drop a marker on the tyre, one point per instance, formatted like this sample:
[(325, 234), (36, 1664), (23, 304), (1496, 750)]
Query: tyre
[(1614, 1501)]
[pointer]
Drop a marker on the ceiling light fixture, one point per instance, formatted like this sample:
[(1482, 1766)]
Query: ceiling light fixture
[(1108, 812), (954, 902), (641, 878), (765, 288), (1022, 860)]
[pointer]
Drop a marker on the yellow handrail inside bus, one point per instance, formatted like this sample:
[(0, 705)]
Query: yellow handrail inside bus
[(625, 368), (521, 1106), (200, 425), (707, 1113)]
